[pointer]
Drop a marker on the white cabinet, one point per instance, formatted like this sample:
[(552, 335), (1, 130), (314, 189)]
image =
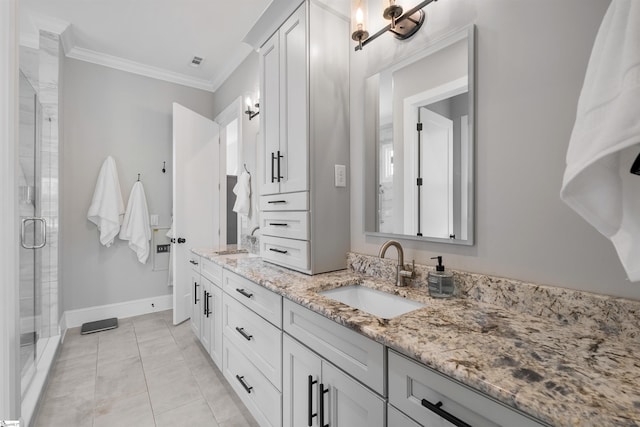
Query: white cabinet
[(206, 305), (352, 352), (252, 346), (196, 295), (316, 393), (304, 119), (431, 399), (283, 84)]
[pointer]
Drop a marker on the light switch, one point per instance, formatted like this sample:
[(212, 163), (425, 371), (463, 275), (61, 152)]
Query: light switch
[(341, 175), (153, 219)]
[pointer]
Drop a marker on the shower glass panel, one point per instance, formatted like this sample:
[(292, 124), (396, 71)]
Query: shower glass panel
[(32, 229)]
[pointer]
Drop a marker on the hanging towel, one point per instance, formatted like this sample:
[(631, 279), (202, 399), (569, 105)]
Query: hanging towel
[(606, 136), (242, 190), (135, 227), (107, 207)]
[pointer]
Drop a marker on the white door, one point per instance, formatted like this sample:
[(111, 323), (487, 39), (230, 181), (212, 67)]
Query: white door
[(347, 402), (301, 370), (196, 195), (294, 145), (436, 156), (270, 114)]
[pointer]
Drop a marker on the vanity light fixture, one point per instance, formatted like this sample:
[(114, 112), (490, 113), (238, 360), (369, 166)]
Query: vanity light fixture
[(403, 25), (249, 111)]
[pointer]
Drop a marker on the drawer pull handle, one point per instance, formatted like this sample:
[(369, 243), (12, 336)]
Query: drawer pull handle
[(310, 395), (323, 391), (276, 201), (243, 333), (280, 251), (207, 304), (437, 408), (279, 224), (193, 262), (243, 292), (246, 387)]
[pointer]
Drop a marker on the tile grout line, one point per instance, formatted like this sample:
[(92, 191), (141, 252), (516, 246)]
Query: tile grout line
[(144, 373)]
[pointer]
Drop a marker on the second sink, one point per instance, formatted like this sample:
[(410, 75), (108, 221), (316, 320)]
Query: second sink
[(372, 301)]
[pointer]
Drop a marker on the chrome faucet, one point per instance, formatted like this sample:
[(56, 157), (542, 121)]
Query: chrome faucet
[(401, 273)]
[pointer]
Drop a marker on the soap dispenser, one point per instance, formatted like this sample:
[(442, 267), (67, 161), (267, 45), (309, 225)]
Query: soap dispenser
[(440, 281)]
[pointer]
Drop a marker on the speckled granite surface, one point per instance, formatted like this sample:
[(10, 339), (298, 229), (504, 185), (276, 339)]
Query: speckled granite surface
[(567, 358)]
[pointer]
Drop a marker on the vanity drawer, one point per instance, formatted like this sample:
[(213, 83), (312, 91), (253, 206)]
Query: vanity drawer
[(262, 399), (354, 353), (410, 382), (292, 225), (285, 202), (258, 339), (287, 252), (396, 418), (261, 300), (194, 263), (211, 271)]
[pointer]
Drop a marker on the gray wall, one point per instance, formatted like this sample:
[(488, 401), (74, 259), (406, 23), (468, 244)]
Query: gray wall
[(531, 62), (110, 112)]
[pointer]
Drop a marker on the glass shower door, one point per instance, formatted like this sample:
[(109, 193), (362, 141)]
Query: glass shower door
[(32, 228)]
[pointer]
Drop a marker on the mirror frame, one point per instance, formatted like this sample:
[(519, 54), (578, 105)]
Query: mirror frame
[(467, 32)]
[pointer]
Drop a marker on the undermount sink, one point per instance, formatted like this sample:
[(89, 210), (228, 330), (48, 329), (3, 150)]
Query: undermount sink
[(372, 301)]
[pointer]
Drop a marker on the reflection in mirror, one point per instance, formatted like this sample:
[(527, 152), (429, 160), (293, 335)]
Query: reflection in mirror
[(422, 143)]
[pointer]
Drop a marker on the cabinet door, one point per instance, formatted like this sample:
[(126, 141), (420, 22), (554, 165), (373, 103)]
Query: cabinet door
[(215, 306), (207, 320), (300, 384), (270, 114), (348, 403), (196, 303), (294, 104)]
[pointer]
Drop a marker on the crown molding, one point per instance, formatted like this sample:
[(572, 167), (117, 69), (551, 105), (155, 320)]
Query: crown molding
[(121, 64), (231, 64)]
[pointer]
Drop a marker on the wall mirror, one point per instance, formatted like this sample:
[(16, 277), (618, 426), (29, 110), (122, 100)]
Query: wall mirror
[(420, 137)]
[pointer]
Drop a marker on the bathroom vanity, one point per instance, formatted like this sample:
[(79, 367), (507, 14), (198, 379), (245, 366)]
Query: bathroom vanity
[(297, 357)]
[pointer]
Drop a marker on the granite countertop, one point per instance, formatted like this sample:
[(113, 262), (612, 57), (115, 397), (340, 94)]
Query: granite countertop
[(562, 373)]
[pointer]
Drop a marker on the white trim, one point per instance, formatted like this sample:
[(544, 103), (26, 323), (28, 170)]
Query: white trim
[(9, 305), (75, 318), (138, 68), (32, 396)]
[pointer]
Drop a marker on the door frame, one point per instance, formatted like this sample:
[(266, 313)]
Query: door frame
[(232, 112), (10, 398)]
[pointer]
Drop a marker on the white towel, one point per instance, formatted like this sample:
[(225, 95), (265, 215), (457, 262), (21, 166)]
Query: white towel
[(107, 207), (606, 136), (242, 190), (135, 227)]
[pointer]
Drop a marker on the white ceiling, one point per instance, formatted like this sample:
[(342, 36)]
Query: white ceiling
[(157, 38)]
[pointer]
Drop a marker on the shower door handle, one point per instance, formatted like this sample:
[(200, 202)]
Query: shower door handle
[(43, 232)]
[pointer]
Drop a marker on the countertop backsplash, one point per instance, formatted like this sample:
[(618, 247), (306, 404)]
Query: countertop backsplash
[(611, 315)]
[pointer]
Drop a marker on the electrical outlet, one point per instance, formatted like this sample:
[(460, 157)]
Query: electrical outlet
[(340, 175)]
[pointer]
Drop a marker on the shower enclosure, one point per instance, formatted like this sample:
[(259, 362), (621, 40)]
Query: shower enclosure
[(35, 304)]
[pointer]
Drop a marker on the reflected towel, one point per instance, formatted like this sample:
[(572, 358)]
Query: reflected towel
[(242, 190), (606, 136), (135, 227), (107, 207)]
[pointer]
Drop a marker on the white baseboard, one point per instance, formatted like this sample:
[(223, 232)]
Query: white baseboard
[(75, 318)]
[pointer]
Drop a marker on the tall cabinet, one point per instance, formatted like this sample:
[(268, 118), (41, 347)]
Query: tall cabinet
[(304, 80)]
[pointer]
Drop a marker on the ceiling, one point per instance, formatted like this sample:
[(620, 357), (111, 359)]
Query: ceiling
[(157, 38)]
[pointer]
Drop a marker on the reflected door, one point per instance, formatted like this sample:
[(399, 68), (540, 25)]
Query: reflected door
[(435, 216)]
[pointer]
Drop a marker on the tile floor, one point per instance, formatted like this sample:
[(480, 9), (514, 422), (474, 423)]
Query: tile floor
[(146, 372)]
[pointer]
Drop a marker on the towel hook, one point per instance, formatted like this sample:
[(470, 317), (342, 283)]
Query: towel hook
[(164, 167), (246, 170), (138, 177)]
